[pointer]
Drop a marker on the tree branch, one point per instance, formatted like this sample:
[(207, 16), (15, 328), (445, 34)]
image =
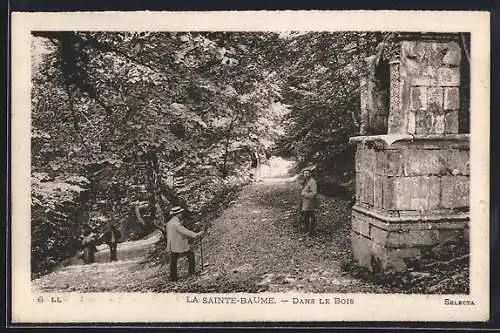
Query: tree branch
[(105, 47)]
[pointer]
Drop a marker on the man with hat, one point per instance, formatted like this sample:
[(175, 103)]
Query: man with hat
[(309, 201), (177, 242), (112, 237)]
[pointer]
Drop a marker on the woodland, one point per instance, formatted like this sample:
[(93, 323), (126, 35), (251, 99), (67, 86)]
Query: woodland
[(126, 125)]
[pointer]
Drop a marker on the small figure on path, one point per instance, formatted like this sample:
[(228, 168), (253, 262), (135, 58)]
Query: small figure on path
[(308, 195), (177, 242), (88, 242), (112, 237), (256, 166)]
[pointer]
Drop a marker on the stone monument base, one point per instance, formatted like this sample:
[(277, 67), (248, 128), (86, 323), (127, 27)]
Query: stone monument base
[(412, 193)]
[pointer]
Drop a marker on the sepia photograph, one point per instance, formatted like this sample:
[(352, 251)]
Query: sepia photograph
[(215, 163)]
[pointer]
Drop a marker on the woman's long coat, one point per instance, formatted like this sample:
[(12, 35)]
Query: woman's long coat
[(309, 191)]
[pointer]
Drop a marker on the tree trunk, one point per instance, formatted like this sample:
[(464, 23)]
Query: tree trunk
[(225, 171)]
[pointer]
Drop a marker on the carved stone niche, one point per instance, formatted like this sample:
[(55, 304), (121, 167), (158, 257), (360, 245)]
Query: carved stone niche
[(374, 91)]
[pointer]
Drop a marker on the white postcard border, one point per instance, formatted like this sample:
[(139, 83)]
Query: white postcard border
[(137, 307)]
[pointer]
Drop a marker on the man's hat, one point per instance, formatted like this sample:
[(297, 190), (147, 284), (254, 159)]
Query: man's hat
[(308, 168), (176, 210)]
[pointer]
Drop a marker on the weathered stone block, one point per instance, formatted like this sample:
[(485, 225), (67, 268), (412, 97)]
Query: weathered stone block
[(429, 122), (393, 239), (418, 98), (453, 55), (395, 258), (419, 238), (362, 250), (423, 122), (456, 141), (383, 258), (450, 235), (359, 225), (389, 249), (379, 236), (427, 224), (409, 213), (408, 49), (422, 162), (411, 122), (368, 191), (416, 193), (381, 164), (457, 161), (363, 159), (358, 164), (423, 75), (378, 195), (367, 160), (454, 191), (359, 187), (382, 223), (422, 60), (450, 225), (451, 98), (448, 76), (388, 193), (451, 122), (434, 98), (431, 53), (438, 125), (395, 159), (368, 254), (385, 238)]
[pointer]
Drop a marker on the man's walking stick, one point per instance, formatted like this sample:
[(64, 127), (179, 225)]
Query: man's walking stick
[(205, 226), (201, 252)]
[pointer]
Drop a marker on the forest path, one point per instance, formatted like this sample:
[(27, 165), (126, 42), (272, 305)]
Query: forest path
[(125, 274), (256, 244)]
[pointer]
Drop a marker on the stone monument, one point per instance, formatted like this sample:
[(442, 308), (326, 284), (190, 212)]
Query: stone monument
[(412, 183)]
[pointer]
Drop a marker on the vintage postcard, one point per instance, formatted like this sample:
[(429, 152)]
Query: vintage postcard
[(250, 166)]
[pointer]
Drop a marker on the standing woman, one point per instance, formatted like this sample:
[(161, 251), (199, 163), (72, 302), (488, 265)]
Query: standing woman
[(308, 195)]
